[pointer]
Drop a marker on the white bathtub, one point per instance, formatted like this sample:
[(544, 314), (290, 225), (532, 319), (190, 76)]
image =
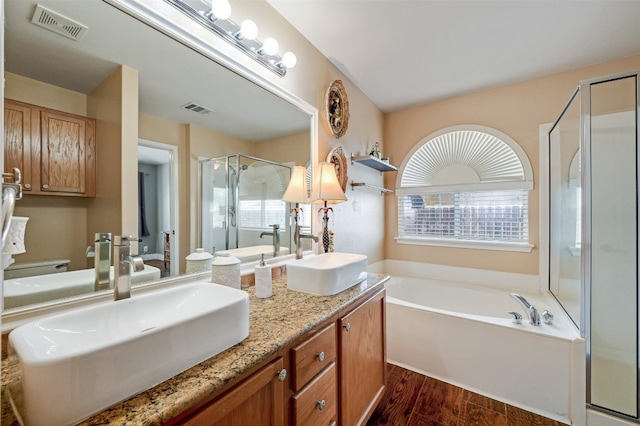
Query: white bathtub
[(462, 334)]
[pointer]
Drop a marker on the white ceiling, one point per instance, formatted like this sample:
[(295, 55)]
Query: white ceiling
[(402, 53)]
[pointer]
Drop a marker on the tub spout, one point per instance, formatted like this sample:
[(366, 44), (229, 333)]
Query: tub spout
[(532, 312)]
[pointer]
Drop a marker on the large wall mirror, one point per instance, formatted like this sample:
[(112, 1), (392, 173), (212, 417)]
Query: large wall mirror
[(126, 74)]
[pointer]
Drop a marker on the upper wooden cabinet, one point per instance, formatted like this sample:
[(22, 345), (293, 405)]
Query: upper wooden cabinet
[(56, 151)]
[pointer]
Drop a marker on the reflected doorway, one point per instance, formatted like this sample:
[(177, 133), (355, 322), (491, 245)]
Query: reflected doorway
[(158, 205)]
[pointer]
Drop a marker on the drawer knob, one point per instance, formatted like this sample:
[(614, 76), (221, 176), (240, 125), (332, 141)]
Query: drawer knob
[(321, 356), (45, 186), (27, 186), (282, 375), (347, 326), (321, 404)]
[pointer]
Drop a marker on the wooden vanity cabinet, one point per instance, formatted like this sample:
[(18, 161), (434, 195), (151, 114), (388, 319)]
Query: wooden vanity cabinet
[(314, 379), (54, 150), (362, 360), (258, 400), (335, 374)]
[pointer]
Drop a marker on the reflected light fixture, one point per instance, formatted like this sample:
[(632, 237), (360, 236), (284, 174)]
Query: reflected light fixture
[(327, 190), (297, 194), (215, 15)]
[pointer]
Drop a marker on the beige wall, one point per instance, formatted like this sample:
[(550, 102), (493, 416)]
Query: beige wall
[(287, 149), (516, 110), (35, 92)]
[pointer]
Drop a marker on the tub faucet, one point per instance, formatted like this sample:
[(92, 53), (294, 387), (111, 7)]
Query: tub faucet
[(276, 238), (102, 260), (534, 316), (123, 264)]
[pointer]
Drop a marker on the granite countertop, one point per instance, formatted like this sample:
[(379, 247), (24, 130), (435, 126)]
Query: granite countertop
[(274, 323)]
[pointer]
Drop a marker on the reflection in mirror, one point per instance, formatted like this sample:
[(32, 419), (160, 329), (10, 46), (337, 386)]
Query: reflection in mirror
[(565, 209), (241, 198), (133, 92)]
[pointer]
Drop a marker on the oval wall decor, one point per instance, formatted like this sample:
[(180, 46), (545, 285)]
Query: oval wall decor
[(336, 106)]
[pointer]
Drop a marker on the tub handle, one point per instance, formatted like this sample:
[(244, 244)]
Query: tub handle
[(547, 317), (516, 317)]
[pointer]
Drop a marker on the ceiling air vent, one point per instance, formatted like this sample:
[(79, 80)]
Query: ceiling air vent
[(57, 23), (191, 106)]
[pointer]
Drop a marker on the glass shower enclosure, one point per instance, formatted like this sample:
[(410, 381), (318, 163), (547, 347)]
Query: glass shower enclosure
[(594, 234), (241, 197)]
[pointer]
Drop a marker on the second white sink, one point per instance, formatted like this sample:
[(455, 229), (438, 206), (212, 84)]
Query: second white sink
[(80, 362), (326, 274)]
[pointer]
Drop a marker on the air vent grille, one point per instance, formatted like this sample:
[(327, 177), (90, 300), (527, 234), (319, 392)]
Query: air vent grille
[(53, 21), (192, 106)]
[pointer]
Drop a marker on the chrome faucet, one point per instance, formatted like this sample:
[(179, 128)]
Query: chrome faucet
[(534, 316), (123, 264), (276, 238), (102, 261), (297, 236)]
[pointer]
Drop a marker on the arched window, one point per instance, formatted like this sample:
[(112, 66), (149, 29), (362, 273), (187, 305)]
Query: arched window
[(465, 186)]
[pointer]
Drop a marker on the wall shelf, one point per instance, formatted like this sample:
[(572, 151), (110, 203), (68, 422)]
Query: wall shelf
[(373, 162), (371, 187)]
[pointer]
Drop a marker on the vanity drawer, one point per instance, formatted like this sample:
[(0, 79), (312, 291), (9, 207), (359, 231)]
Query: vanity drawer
[(310, 357), (316, 404)]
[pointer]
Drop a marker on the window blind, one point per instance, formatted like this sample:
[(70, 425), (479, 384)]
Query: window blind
[(478, 215)]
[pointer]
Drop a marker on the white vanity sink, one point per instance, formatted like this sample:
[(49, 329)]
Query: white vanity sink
[(80, 362), (42, 288), (326, 274)]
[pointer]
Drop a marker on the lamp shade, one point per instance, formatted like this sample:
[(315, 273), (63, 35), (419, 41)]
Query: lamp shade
[(297, 189), (326, 186)]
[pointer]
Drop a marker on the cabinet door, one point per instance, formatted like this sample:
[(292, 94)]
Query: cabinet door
[(257, 401), (363, 361), (18, 139), (67, 155)]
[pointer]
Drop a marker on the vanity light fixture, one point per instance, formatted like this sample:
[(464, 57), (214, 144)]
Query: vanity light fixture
[(327, 190), (215, 14)]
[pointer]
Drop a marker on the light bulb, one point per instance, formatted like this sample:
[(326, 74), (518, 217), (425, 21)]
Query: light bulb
[(270, 46), (289, 60), (248, 29), (221, 9)]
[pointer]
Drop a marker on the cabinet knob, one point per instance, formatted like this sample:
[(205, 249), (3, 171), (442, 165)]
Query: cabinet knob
[(321, 404), (347, 326), (320, 356), (27, 186), (45, 186), (282, 375)]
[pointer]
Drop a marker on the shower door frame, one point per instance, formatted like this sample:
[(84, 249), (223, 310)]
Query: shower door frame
[(584, 88)]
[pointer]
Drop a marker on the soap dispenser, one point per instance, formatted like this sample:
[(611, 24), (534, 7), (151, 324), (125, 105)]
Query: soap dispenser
[(263, 279)]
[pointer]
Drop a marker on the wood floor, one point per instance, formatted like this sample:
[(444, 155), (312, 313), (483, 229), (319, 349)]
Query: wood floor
[(412, 399)]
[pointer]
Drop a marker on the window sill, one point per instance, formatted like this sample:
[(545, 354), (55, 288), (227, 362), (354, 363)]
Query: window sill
[(483, 245)]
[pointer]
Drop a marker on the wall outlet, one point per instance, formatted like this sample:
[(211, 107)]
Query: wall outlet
[(145, 249)]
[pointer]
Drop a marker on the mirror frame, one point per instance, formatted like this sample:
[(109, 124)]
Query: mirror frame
[(149, 14)]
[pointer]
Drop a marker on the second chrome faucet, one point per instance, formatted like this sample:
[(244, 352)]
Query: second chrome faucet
[(123, 265)]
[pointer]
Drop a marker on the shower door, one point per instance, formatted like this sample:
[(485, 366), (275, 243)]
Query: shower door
[(611, 234), (593, 224)]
